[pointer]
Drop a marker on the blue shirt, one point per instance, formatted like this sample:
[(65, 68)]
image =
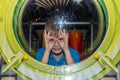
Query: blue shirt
[(52, 61)]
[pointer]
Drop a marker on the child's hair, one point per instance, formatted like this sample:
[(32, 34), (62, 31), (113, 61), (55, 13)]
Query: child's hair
[(54, 24)]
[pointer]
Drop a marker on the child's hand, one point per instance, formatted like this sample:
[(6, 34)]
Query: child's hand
[(49, 40), (63, 39)]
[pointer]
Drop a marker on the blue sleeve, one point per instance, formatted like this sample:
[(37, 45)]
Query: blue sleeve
[(39, 54), (75, 55), (76, 58)]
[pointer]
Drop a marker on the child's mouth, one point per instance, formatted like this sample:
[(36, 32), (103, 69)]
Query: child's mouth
[(56, 48)]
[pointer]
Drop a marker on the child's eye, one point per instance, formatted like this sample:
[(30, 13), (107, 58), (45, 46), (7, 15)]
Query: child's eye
[(60, 39), (51, 40)]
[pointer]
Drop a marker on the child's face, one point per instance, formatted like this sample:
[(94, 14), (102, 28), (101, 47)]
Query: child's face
[(56, 47)]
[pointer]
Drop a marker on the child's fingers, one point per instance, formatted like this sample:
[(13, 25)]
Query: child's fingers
[(58, 42), (44, 32), (50, 37), (64, 32), (49, 33)]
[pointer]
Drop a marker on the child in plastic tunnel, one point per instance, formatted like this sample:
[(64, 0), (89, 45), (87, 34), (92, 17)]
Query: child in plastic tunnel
[(57, 51)]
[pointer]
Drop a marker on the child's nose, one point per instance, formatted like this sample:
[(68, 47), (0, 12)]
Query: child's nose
[(56, 43)]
